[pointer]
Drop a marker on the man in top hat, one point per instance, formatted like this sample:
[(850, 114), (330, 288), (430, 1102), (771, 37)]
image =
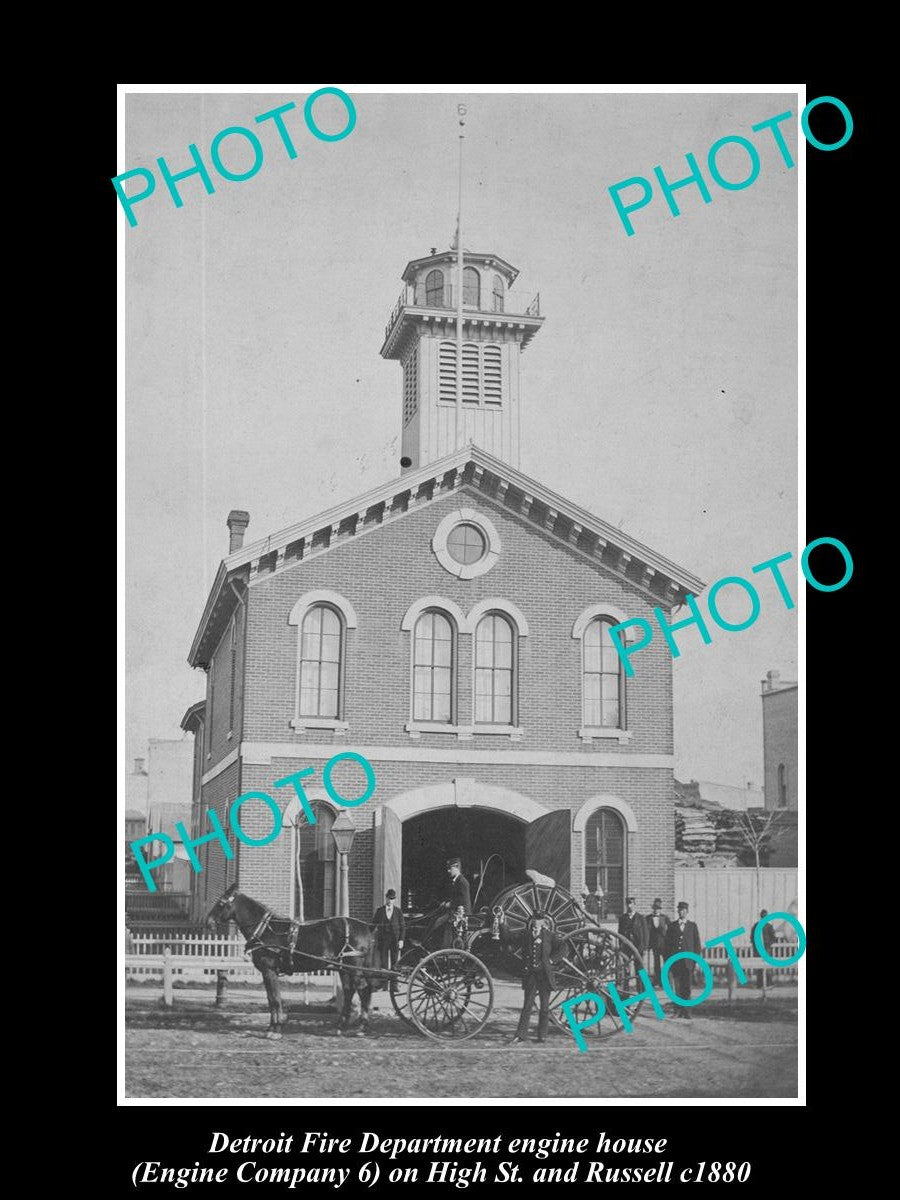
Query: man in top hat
[(768, 941), (540, 949), (457, 902), (390, 930), (657, 923), (682, 935)]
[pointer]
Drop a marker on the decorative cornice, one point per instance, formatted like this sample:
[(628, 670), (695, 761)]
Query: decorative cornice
[(472, 467)]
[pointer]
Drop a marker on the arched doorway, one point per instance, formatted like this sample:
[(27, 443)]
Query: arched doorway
[(490, 824), (490, 844)]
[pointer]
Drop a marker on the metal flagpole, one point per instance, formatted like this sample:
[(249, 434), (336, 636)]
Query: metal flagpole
[(461, 112)]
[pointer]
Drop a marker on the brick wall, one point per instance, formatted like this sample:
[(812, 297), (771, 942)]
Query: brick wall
[(382, 573)]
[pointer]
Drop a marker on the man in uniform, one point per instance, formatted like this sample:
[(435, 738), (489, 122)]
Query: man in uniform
[(457, 903), (682, 936), (540, 949), (657, 923), (633, 927)]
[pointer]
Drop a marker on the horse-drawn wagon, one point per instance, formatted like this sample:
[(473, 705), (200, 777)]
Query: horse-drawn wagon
[(443, 984)]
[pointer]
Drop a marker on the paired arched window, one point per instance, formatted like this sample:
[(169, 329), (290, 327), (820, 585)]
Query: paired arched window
[(498, 294), (321, 644), (782, 786), (603, 677), (604, 860), (434, 655), (471, 288), (434, 289), (494, 671), (322, 618), (314, 866)]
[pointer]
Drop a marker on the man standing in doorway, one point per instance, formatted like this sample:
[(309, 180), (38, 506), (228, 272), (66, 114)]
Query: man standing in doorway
[(682, 936), (657, 924), (457, 903)]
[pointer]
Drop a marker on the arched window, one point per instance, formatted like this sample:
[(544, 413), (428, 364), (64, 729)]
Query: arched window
[(471, 288), (604, 860), (434, 289), (321, 643), (498, 294), (494, 671), (433, 668), (314, 866), (782, 786), (604, 685)]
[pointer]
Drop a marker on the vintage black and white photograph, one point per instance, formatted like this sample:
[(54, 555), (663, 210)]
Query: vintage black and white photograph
[(462, 583)]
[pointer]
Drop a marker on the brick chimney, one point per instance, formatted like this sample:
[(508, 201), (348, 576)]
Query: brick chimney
[(237, 525)]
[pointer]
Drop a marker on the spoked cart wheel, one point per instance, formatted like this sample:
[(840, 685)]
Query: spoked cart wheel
[(413, 953), (594, 958), (450, 995)]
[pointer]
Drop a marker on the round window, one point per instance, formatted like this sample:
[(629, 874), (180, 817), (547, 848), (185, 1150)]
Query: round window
[(466, 544)]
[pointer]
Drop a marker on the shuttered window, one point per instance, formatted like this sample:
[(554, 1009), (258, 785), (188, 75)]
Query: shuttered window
[(410, 385), (482, 373)]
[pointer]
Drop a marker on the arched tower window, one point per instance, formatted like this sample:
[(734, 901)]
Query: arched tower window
[(471, 288), (434, 289), (498, 294), (604, 860), (782, 786)]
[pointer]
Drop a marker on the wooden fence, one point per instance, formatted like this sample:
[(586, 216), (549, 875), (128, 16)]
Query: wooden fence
[(172, 955), (723, 898)]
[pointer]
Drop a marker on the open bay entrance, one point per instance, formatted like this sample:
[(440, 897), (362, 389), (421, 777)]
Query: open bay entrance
[(490, 844)]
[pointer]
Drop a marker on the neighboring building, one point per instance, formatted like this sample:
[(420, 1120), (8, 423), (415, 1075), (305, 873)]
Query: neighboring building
[(136, 789), (452, 627), (780, 741), (135, 827)]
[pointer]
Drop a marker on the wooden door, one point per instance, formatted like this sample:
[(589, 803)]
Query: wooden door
[(548, 842)]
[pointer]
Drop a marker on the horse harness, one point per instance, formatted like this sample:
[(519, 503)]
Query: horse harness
[(267, 924)]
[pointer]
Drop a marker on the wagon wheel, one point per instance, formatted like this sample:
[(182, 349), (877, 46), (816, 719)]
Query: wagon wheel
[(450, 995), (526, 900), (594, 958), (413, 953)]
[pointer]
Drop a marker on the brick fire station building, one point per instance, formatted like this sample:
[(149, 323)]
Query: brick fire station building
[(452, 627)]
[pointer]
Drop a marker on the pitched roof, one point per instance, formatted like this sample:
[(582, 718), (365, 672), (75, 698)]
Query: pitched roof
[(661, 580)]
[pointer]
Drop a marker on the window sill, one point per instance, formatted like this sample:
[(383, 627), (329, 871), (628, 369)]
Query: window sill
[(464, 733), (299, 724), (591, 734)]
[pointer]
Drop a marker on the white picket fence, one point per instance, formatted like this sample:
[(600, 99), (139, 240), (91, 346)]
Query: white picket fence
[(203, 957)]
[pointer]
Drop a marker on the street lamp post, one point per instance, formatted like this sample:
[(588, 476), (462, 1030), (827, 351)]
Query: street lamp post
[(343, 833)]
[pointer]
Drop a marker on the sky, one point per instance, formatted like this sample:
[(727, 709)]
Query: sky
[(661, 392)]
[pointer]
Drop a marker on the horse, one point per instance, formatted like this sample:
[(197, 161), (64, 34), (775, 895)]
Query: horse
[(279, 946)]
